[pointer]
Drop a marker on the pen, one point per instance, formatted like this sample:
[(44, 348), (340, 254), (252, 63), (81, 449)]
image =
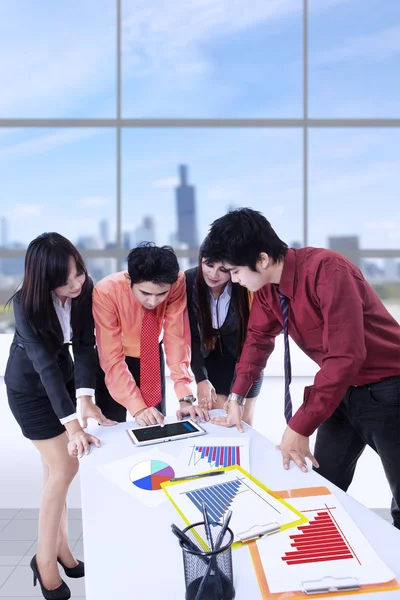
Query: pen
[(188, 477), (207, 526), (217, 546)]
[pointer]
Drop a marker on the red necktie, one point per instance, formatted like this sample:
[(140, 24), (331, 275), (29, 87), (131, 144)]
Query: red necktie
[(150, 372)]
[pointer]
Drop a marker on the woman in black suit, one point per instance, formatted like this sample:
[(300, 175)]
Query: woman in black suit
[(218, 314), (53, 308)]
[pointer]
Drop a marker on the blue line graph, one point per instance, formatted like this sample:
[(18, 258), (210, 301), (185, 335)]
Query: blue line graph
[(217, 498)]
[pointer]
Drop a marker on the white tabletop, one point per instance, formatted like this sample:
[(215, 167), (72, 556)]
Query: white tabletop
[(130, 551)]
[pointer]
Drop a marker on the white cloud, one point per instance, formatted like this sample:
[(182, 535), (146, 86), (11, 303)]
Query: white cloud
[(157, 40), (26, 210), (55, 56), (166, 183), (44, 143), (218, 194), (377, 46), (277, 210), (383, 224), (93, 201)]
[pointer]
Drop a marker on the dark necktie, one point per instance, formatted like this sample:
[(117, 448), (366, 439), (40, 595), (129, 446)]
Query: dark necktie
[(288, 369), (150, 370)]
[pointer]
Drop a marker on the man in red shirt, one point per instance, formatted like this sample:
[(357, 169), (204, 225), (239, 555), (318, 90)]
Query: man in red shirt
[(323, 302)]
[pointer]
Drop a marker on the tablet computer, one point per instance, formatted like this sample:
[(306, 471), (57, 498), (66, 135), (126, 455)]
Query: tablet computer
[(153, 434)]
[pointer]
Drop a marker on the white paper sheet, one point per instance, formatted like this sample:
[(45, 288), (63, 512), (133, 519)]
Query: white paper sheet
[(209, 453), (140, 474), (330, 545), (251, 505)]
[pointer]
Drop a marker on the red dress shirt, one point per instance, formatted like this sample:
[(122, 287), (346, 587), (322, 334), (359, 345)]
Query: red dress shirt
[(336, 318)]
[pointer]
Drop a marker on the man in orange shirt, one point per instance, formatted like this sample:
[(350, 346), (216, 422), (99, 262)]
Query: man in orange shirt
[(130, 310)]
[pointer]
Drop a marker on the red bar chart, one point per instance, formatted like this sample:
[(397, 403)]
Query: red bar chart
[(216, 456), (319, 540)]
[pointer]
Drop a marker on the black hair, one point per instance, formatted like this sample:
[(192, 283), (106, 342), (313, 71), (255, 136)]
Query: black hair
[(149, 262), (241, 298), (240, 236), (47, 268)]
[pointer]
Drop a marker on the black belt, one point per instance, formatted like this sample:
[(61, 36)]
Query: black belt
[(381, 383)]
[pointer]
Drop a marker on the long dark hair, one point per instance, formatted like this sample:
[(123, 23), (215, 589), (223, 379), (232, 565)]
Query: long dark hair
[(241, 298), (47, 268)]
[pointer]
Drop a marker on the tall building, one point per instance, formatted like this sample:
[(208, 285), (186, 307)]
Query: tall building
[(348, 245), (97, 267), (104, 231), (146, 232), (186, 208), (3, 232)]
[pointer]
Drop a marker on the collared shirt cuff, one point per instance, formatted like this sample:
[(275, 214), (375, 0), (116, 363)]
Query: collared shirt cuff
[(182, 390), (84, 392), (135, 405), (304, 423), (241, 386), (68, 419)]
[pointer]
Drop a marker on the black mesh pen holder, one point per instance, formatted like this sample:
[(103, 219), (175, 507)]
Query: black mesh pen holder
[(208, 574)]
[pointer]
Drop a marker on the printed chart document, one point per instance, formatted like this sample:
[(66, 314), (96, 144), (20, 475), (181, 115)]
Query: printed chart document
[(327, 551), (254, 507), (215, 453), (141, 474)]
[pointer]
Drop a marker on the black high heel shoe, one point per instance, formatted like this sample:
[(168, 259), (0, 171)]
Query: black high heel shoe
[(61, 593), (73, 572)]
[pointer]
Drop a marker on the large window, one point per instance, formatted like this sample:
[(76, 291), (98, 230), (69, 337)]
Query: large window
[(122, 121)]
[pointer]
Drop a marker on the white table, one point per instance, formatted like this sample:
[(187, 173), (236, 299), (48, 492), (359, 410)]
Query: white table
[(130, 551)]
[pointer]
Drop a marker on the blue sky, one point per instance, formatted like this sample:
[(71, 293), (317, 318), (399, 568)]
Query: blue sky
[(200, 59)]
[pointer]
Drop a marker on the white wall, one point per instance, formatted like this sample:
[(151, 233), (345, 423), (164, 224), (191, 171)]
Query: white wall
[(20, 468)]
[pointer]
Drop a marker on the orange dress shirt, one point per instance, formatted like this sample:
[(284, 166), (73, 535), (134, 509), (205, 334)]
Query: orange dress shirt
[(118, 320)]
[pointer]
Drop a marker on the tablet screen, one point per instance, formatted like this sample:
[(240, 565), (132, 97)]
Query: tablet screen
[(157, 432)]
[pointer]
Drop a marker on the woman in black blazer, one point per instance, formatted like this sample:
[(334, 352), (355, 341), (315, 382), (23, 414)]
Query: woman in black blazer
[(52, 309), (218, 315)]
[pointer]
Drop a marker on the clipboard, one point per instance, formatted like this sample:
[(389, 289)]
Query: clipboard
[(316, 589), (221, 493)]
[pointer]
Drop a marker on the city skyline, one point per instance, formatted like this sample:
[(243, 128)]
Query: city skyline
[(185, 237)]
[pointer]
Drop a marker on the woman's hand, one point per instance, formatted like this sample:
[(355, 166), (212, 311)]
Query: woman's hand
[(206, 394), (79, 443), (89, 410)]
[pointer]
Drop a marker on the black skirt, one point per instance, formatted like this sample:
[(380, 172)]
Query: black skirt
[(35, 414), (221, 373)]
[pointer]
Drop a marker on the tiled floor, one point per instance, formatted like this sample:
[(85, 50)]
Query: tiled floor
[(18, 535), (18, 543)]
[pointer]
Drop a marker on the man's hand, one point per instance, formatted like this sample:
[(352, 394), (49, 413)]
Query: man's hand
[(191, 410), (296, 447), (234, 414), (149, 416), (206, 394), (79, 443), (91, 411)]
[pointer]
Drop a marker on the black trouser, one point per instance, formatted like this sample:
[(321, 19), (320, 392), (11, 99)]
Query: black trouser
[(112, 409), (369, 414)]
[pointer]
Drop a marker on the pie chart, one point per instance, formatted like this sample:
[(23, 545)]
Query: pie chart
[(149, 474)]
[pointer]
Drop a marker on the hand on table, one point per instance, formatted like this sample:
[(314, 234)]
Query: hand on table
[(296, 447), (234, 414), (79, 443), (91, 411), (192, 410), (206, 394)]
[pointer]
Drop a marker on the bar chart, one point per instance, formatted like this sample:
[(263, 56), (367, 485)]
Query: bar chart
[(320, 540), (217, 498), (216, 456)]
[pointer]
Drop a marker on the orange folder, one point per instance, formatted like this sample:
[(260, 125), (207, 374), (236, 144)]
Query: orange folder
[(262, 580)]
